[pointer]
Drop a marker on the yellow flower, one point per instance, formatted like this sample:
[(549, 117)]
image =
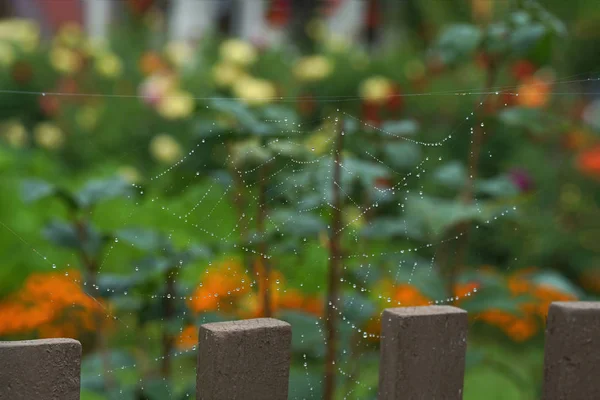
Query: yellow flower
[(49, 136), (129, 174), (226, 73), (337, 44), (22, 32), (313, 68), (155, 87), (179, 53), (376, 89), (7, 55), (254, 91), (15, 134), (165, 149), (95, 46), (238, 52), (70, 35), (109, 65), (64, 60), (175, 105), (87, 117)]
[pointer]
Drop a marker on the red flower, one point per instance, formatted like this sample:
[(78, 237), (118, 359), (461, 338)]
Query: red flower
[(140, 6), (523, 69), (588, 162), (279, 12), (306, 104), (395, 101), (49, 104), (370, 113), (383, 182)]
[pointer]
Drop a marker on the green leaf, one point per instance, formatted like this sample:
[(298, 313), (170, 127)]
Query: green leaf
[(365, 172), (387, 228), (524, 38), (250, 153), (458, 42), (151, 266), (108, 283), (439, 215), (66, 235), (144, 239), (156, 389), (291, 223), (307, 333), (492, 297), (245, 117), (532, 119), (556, 280), (500, 186), (358, 308), (34, 189), (400, 128), (289, 149), (305, 382), (452, 175), (99, 190), (402, 155), (283, 116)]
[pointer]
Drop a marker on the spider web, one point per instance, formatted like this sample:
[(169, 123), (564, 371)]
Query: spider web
[(294, 184)]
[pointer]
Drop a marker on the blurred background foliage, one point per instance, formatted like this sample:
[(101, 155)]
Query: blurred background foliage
[(145, 180)]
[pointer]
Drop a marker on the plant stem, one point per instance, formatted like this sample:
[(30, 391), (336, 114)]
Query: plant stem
[(169, 312), (91, 269), (335, 252), (467, 194), (262, 247)]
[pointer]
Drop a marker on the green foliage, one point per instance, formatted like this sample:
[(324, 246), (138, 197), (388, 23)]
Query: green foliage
[(426, 201)]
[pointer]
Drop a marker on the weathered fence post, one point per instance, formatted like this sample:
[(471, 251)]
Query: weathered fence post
[(572, 351), (45, 369), (422, 353), (247, 359)]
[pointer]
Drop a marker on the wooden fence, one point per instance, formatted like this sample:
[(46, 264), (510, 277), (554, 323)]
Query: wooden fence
[(422, 357)]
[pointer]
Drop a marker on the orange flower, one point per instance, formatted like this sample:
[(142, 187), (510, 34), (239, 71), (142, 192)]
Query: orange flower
[(465, 289), (534, 92), (408, 295), (291, 299), (577, 140), (151, 63), (224, 282), (521, 329), (314, 305), (188, 338), (373, 328), (496, 317), (52, 305), (518, 285), (588, 162)]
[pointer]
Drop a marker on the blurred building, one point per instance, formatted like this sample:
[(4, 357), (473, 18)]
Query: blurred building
[(257, 20)]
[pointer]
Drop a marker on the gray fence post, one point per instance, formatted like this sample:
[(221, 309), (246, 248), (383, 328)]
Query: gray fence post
[(247, 359), (40, 369), (422, 353), (572, 351)]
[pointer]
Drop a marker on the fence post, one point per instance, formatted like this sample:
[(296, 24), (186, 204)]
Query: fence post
[(422, 353), (572, 351), (248, 359), (45, 369)]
